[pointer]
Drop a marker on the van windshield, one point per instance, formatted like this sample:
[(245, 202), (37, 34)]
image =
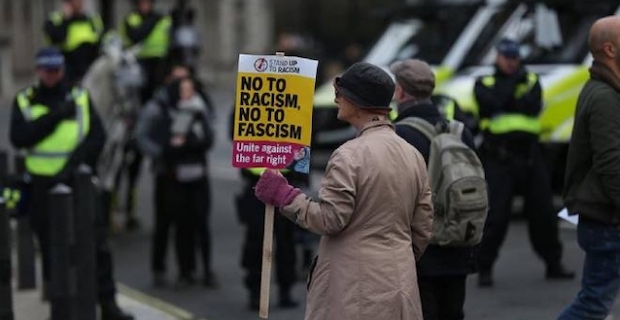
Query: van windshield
[(425, 32), (548, 34)]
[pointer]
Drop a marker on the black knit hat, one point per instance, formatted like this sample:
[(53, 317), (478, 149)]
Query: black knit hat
[(367, 86)]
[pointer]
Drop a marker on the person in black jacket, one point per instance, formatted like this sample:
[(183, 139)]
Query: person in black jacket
[(442, 271), (150, 30), (77, 34), (175, 130), (250, 212), (509, 102), (592, 184), (46, 120)]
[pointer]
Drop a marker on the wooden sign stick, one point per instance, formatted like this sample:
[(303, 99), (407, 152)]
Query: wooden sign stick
[(265, 278)]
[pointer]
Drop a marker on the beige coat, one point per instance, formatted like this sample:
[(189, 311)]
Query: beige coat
[(374, 202)]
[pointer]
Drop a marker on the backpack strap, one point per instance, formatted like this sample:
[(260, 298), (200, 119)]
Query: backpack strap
[(456, 128), (427, 129)]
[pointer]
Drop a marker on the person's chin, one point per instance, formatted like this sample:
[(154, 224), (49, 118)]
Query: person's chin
[(338, 116)]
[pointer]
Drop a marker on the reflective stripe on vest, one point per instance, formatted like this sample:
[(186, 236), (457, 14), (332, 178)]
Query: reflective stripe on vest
[(448, 109), (523, 88), (50, 155), (511, 122), (156, 43), (259, 171)]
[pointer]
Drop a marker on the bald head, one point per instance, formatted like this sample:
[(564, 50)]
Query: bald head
[(604, 38)]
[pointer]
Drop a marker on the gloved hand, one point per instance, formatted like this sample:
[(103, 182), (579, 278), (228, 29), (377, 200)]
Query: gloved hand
[(272, 188)]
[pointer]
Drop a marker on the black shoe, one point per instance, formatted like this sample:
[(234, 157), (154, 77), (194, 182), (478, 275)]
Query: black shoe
[(288, 303), (132, 224), (210, 281), (159, 279), (485, 279), (559, 273), (111, 311), (254, 304), (186, 281)]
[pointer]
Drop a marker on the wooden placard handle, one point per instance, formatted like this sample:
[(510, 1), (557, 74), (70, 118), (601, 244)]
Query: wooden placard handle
[(265, 279)]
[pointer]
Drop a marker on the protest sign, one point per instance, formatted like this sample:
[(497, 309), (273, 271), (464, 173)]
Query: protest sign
[(273, 112)]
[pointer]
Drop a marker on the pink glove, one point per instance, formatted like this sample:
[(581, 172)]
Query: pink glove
[(272, 188)]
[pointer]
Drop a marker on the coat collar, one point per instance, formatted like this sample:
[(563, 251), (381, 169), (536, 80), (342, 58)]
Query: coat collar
[(423, 109), (371, 125)]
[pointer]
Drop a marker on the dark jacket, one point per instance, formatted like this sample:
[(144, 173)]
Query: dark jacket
[(436, 260), (154, 132), (140, 33), (26, 134), (592, 180), (500, 98), (77, 61)]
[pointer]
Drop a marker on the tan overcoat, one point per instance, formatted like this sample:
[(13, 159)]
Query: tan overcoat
[(374, 203)]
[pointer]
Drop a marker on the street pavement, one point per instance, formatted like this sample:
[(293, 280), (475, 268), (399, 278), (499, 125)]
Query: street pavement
[(520, 293)]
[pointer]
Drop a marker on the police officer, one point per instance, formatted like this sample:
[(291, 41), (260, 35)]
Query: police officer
[(59, 127), (509, 104), (150, 30), (77, 34), (250, 212)]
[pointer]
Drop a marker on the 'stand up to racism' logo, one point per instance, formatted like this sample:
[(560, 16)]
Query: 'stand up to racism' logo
[(260, 64)]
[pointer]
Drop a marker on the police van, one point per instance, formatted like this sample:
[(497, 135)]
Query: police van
[(443, 33), (553, 36)]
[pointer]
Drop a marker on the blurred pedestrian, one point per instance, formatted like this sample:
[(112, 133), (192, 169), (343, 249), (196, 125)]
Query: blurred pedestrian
[(150, 30), (249, 213), (592, 184), (185, 42), (78, 34), (60, 129), (174, 129), (374, 210), (442, 270), (510, 101)]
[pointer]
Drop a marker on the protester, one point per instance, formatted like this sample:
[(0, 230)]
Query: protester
[(174, 129), (249, 210), (592, 181), (375, 221), (442, 270)]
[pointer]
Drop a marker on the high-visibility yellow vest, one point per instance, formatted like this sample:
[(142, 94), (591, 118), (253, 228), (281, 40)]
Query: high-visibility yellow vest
[(79, 32), (510, 122), (449, 109), (156, 43), (50, 155)]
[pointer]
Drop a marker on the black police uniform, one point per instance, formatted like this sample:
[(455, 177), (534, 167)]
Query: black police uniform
[(25, 134), (78, 59), (513, 163), (251, 213)]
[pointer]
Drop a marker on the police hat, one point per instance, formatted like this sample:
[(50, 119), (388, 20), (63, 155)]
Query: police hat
[(366, 86), (50, 58), (509, 48)]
